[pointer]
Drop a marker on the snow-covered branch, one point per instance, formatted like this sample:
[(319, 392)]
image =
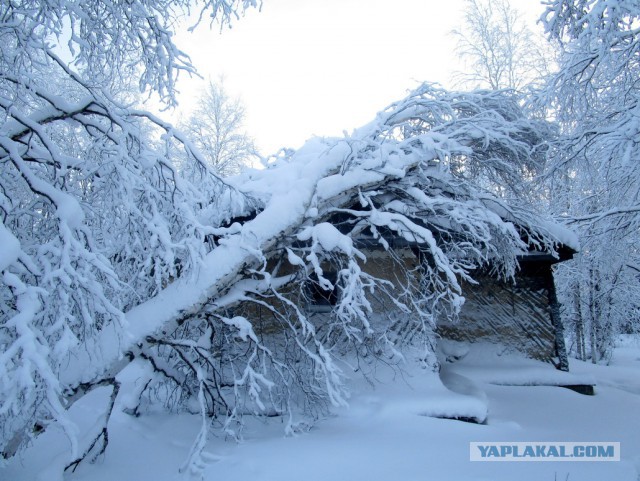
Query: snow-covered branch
[(123, 245), (96, 214)]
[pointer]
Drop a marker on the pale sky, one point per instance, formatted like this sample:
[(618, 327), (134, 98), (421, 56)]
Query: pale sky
[(322, 67)]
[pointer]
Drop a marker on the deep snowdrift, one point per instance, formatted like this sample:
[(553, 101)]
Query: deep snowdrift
[(386, 433)]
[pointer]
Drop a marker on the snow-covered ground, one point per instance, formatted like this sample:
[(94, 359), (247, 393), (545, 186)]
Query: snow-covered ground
[(389, 432)]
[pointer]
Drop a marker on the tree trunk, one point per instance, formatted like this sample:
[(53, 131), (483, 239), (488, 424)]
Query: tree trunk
[(594, 316), (558, 328), (578, 322)]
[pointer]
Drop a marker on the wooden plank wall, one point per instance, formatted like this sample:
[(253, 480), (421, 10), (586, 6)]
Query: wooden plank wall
[(517, 317)]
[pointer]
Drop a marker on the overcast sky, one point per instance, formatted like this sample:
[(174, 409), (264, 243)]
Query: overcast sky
[(321, 67)]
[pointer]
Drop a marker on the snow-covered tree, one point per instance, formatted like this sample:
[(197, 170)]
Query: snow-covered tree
[(499, 49), (120, 243), (595, 169), (95, 217), (216, 128), (400, 177)]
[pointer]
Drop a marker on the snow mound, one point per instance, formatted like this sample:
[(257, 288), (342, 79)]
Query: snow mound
[(491, 364)]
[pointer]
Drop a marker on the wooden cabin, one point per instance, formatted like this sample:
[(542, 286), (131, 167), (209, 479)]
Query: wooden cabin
[(522, 315)]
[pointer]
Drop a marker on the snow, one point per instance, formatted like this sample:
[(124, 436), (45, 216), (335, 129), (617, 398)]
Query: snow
[(69, 210), (245, 330), (388, 432), (328, 237), (491, 363), (88, 309), (10, 250), (562, 234), (559, 233)]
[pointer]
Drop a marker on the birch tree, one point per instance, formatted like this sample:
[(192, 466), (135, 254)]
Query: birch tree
[(216, 127), (499, 49)]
